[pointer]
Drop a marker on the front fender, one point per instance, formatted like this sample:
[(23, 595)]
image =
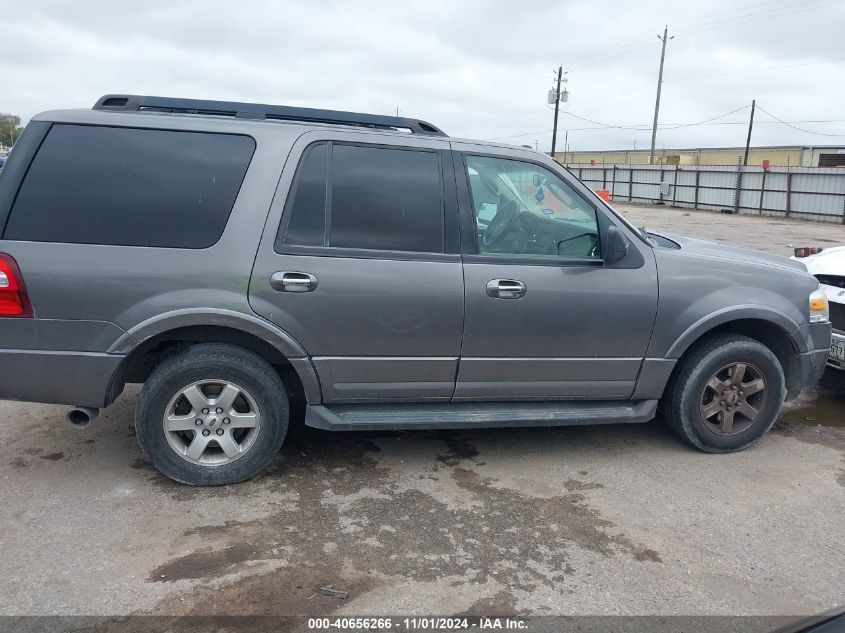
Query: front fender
[(688, 310), (734, 313)]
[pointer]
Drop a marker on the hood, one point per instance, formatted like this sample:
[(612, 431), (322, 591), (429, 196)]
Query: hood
[(831, 261), (720, 250)]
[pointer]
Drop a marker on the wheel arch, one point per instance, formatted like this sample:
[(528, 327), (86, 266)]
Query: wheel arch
[(768, 327), (785, 345), (749, 319), (145, 348)]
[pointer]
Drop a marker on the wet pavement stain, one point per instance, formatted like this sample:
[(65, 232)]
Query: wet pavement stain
[(346, 522), (459, 449), (816, 417), (828, 411), (53, 457), (503, 604), (203, 564), (575, 485), (284, 592), (815, 407)]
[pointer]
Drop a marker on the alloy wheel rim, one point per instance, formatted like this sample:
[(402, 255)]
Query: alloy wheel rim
[(733, 398), (212, 422)]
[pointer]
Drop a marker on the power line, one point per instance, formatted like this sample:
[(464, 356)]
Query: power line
[(615, 93), (612, 48), (799, 7), (642, 127), (756, 70), (744, 16), (800, 129), (718, 13), (706, 121), (737, 17), (669, 126)]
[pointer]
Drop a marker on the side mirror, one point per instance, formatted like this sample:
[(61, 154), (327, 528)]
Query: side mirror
[(616, 246)]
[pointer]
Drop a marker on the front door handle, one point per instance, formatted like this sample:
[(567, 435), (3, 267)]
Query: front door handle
[(289, 281), (506, 288)]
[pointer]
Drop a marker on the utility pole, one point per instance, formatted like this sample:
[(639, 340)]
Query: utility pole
[(750, 125), (557, 106), (565, 146), (659, 86)]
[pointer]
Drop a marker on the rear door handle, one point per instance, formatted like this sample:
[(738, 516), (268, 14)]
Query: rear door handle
[(290, 281), (506, 288)]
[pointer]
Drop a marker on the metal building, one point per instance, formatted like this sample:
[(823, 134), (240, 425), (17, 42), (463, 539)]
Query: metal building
[(777, 155)]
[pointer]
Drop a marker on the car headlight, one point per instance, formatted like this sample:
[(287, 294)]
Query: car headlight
[(819, 310)]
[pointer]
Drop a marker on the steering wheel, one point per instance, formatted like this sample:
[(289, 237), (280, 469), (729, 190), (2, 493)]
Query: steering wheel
[(501, 224)]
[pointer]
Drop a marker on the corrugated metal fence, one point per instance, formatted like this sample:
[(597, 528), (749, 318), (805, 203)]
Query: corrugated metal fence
[(807, 193)]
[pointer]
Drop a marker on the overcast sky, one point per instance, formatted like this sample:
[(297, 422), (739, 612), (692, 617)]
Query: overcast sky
[(476, 68)]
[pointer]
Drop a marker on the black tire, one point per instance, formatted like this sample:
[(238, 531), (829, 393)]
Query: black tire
[(212, 362), (683, 402)]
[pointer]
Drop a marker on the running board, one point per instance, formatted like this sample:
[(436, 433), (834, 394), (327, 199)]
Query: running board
[(471, 415)]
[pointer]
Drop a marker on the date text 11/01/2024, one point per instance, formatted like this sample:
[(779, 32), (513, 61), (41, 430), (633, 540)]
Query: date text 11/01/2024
[(417, 624)]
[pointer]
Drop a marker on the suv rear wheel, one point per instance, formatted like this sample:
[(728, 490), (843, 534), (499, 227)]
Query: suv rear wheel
[(212, 414), (726, 395)]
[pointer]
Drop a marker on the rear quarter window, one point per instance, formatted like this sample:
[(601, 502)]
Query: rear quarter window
[(130, 187)]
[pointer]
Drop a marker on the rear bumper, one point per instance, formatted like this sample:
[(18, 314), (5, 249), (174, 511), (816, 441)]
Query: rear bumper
[(71, 378)]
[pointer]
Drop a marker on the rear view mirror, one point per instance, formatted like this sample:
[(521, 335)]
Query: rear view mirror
[(538, 180), (616, 246)]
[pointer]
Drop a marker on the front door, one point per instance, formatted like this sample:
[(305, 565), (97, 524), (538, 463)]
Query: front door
[(546, 319), (362, 267)]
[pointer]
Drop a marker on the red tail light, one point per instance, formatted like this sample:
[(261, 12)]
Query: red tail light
[(14, 301)]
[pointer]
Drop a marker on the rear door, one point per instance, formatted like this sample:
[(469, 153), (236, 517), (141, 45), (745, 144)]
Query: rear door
[(546, 318), (360, 263)]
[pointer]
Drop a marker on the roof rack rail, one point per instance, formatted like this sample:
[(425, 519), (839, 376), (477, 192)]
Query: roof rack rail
[(259, 111)]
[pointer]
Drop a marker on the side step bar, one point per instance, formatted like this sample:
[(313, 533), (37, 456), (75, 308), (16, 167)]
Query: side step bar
[(471, 415)]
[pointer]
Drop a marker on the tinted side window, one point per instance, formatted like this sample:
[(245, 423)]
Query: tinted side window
[(307, 224), (374, 198), (388, 199), (130, 187)]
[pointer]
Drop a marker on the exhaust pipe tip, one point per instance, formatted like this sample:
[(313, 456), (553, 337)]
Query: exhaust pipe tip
[(81, 417)]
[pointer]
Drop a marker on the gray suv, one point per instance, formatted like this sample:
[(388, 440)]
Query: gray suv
[(256, 266)]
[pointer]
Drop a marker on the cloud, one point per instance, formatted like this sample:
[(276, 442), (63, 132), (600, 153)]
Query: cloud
[(476, 68)]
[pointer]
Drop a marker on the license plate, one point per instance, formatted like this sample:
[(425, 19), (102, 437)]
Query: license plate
[(837, 350)]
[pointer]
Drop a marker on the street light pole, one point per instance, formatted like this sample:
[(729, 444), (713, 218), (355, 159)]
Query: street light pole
[(659, 86)]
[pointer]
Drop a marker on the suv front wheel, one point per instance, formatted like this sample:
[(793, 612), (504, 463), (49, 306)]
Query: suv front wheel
[(212, 414), (726, 394)]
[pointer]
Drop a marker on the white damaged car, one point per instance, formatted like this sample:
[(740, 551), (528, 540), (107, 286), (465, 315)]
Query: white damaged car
[(828, 266)]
